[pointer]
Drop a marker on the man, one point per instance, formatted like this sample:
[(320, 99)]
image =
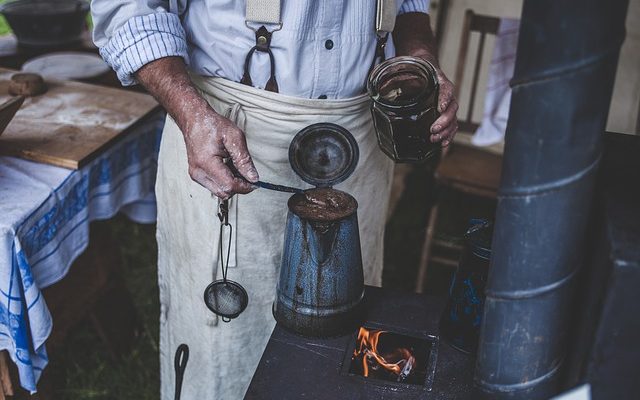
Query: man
[(313, 60)]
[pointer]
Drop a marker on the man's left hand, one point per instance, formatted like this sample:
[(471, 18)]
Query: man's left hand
[(445, 127), (412, 36)]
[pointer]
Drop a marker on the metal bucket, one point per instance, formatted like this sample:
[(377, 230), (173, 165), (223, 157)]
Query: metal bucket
[(48, 23)]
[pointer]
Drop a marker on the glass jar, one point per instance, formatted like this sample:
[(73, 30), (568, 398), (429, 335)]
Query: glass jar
[(404, 91), (461, 320)]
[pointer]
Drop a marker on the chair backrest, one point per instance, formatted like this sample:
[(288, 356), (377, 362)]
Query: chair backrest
[(484, 25)]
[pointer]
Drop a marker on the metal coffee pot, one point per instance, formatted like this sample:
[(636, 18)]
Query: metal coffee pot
[(321, 282)]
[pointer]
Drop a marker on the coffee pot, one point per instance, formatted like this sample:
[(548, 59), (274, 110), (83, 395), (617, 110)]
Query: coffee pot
[(321, 283)]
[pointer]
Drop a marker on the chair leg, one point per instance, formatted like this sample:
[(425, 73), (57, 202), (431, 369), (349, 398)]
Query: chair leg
[(5, 379), (426, 249)]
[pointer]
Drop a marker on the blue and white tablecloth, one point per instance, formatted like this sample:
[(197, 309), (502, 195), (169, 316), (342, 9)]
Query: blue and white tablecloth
[(44, 225)]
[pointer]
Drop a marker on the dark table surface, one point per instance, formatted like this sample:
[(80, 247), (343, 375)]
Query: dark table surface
[(295, 367)]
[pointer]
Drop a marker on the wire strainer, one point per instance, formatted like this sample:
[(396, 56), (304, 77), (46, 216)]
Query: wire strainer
[(224, 297)]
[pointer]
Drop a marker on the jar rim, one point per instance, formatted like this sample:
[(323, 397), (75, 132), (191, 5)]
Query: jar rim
[(380, 69)]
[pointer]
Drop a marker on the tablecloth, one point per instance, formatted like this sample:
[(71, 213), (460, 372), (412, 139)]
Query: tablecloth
[(45, 213)]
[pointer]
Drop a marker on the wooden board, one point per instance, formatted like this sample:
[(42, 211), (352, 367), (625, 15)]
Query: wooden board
[(71, 123)]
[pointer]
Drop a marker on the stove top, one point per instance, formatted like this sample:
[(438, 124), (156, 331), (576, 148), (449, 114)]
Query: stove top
[(295, 367)]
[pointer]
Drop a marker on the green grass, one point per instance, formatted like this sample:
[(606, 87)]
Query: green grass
[(83, 369), (4, 26)]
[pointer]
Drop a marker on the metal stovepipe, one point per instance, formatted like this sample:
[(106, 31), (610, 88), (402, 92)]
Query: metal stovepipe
[(563, 80)]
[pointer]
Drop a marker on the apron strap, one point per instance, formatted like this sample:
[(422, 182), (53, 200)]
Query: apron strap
[(262, 12)]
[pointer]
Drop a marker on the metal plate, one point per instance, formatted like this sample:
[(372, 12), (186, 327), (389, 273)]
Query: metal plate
[(67, 65), (323, 154)]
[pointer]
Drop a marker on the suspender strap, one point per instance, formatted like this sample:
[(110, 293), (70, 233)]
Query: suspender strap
[(262, 12), (386, 12), (269, 12), (385, 22)]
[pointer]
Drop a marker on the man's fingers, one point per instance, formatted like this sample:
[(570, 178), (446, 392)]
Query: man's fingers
[(446, 118), (446, 135), (219, 180), (446, 96), (236, 145), (199, 176), (230, 184)]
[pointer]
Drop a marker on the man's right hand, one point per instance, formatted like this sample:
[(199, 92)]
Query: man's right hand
[(209, 137)]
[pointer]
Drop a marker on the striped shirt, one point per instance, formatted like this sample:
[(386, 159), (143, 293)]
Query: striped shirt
[(325, 47)]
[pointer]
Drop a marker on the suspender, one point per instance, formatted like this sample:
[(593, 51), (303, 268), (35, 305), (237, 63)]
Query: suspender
[(268, 12), (385, 22), (386, 12), (265, 12)]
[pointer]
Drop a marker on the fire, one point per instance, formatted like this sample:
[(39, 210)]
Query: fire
[(399, 362)]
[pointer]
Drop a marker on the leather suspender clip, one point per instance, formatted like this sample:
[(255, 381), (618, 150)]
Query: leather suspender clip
[(264, 12), (263, 44)]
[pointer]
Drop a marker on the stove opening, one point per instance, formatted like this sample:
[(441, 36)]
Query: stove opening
[(392, 357)]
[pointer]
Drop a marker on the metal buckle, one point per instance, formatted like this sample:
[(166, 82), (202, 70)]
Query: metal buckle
[(223, 212), (278, 26)]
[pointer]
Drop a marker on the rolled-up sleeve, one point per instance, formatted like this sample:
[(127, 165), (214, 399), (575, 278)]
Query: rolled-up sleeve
[(414, 6), (132, 33)]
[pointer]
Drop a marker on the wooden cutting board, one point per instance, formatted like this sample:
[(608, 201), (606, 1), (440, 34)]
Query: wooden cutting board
[(71, 123)]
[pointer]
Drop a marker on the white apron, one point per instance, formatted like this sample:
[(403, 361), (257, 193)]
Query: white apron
[(223, 356)]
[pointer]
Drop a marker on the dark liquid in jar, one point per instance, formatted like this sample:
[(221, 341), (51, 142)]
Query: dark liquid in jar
[(404, 112)]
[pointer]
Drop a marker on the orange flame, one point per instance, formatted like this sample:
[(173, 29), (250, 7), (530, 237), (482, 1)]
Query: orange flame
[(367, 347)]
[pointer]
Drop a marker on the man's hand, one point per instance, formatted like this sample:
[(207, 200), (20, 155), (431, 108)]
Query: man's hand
[(445, 127), (209, 137), (412, 36)]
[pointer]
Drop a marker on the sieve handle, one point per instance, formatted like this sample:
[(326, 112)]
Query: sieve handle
[(180, 364), (261, 184), (278, 188)]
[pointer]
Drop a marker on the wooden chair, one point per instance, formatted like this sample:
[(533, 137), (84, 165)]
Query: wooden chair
[(463, 168)]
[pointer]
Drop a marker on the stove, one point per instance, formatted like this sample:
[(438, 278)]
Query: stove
[(395, 354)]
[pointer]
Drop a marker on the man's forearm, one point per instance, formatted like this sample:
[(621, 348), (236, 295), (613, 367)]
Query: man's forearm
[(168, 81), (412, 36), (209, 137)]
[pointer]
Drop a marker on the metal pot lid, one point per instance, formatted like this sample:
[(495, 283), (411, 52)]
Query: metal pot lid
[(323, 154), (479, 236)]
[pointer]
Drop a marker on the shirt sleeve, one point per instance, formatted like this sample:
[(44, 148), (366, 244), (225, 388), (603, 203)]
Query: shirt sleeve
[(132, 33), (414, 6)]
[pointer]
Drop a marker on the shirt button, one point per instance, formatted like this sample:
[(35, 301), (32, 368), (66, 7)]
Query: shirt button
[(322, 97), (328, 44)]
